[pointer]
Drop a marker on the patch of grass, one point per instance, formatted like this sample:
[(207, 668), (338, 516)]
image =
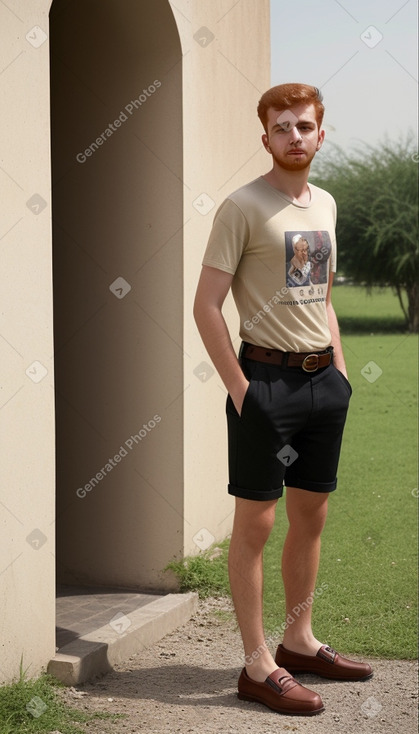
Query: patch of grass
[(34, 706), (362, 311), (205, 573)]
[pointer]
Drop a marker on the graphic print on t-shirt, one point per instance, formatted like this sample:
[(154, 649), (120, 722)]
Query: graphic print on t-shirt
[(307, 255)]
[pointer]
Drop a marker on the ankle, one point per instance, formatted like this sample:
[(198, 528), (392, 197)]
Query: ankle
[(304, 644), (260, 664), (259, 673)]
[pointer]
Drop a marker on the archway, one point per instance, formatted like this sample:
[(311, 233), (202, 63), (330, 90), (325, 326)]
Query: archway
[(117, 194)]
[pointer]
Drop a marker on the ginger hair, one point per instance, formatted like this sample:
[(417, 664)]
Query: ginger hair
[(284, 96)]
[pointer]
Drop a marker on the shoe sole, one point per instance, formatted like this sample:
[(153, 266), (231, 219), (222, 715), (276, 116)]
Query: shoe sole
[(287, 712), (328, 677)]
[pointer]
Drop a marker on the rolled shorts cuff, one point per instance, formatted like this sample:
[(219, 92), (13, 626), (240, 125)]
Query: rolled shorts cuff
[(255, 494), (311, 486)]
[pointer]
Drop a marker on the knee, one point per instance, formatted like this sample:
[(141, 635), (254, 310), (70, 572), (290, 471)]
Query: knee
[(308, 519), (253, 528), (260, 530)]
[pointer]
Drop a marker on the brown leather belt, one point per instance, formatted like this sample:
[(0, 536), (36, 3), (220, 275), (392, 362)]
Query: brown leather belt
[(308, 361)]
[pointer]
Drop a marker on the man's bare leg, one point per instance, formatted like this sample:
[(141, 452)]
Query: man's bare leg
[(253, 522), (307, 513)]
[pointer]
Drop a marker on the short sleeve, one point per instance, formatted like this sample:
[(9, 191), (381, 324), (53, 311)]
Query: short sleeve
[(228, 238), (333, 257)]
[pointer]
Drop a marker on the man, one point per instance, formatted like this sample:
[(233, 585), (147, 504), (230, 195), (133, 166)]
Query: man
[(300, 266), (288, 392)]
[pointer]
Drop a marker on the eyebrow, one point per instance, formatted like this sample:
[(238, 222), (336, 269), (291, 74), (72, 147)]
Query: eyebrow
[(300, 122)]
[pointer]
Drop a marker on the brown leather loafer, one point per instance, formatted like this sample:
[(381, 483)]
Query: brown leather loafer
[(327, 663), (280, 693)]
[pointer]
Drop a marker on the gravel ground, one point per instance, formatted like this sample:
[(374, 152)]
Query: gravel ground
[(187, 682)]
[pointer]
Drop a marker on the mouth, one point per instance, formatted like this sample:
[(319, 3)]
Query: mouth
[(299, 151)]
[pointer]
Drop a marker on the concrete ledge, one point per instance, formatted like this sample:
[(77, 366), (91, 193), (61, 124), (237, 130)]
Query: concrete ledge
[(97, 652)]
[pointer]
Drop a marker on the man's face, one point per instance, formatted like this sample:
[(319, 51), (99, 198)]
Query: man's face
[(293, 137), (301, 250)]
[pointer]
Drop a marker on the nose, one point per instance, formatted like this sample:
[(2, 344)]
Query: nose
[(295, 135)]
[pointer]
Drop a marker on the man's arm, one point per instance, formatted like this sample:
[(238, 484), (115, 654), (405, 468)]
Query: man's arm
[(211, 293), (338, 357)]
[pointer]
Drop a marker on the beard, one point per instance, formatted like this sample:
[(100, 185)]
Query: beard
[(292, 163)]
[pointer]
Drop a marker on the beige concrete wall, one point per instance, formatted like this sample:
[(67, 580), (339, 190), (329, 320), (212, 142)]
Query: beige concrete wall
[(141, 443), (226, 68), (27, 516)]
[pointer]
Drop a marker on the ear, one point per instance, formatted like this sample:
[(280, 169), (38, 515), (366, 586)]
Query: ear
[(265, 142), (320, 140)]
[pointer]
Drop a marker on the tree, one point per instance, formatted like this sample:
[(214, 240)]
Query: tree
[(377, 229)]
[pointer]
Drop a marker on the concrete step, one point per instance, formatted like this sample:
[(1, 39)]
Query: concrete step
[(96, 652)]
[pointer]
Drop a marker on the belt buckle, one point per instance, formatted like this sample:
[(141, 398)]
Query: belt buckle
[(311, 363)]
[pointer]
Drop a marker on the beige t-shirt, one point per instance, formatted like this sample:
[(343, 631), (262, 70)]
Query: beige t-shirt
[(280, 254)]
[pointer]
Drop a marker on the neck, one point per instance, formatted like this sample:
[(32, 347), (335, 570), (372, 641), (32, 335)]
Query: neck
[(290, 183)]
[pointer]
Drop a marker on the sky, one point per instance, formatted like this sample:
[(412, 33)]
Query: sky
[(362, 54)]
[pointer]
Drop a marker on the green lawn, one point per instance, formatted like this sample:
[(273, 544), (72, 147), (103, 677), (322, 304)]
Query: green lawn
[(362, 312), (369, 550)]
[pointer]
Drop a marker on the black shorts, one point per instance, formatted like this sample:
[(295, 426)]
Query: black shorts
[(289, 432)]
